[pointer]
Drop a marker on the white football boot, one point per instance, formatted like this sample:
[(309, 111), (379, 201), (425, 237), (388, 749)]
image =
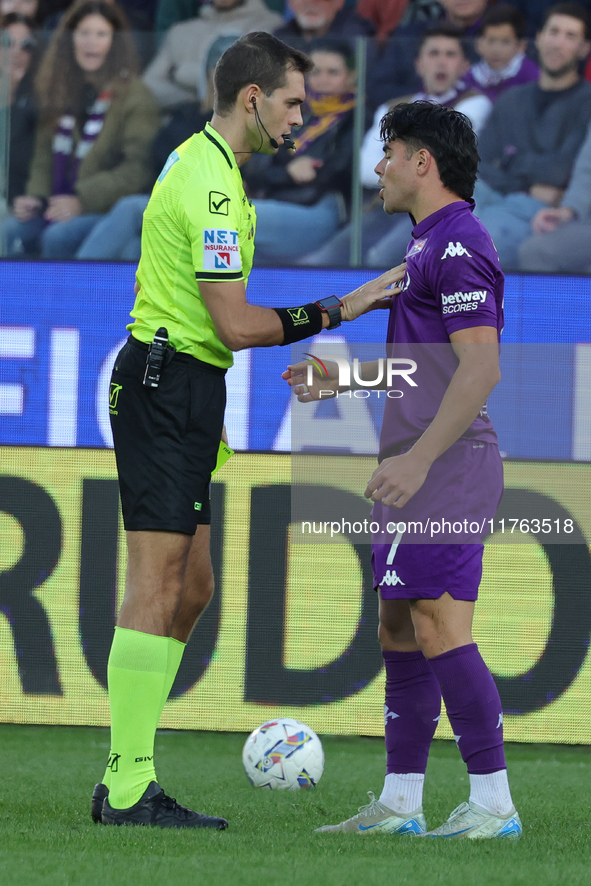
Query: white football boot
[(375, 818), (476, 823)]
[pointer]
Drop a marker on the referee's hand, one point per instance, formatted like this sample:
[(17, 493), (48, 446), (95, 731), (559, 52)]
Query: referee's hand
[(374, 294)]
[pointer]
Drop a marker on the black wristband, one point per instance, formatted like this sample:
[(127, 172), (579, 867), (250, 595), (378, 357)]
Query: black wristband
[(299, 323)]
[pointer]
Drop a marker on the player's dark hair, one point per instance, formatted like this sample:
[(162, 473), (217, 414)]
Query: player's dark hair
[(504, 14), (445, 133), (443, 31), (574, 10), (258, 58), (338, 47)]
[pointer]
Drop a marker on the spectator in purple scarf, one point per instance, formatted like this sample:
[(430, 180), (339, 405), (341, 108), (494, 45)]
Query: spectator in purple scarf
[(501, 47), (97, 123)]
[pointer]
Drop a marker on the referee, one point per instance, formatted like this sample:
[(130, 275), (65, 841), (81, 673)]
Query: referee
[(168, 396)]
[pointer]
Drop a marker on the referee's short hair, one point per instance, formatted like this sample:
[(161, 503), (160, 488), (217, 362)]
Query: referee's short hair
[(446, 133), (258, 58)]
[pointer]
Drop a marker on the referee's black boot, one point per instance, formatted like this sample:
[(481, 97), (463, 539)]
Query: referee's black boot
[(98, 795), (155, 808)]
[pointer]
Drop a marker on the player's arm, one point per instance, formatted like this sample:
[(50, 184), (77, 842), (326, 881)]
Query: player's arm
[(242, 325), (398, 478), (478, 372)]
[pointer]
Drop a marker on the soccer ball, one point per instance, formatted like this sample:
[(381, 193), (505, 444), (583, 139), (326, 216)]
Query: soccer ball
[(283, 754)]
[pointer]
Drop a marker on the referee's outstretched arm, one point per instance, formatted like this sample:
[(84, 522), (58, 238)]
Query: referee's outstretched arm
[(242, 325)]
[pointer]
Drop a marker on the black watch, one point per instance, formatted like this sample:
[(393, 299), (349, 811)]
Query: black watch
[(332, 305)]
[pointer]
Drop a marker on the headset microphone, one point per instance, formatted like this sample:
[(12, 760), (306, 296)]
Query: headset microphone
[(288, 142)]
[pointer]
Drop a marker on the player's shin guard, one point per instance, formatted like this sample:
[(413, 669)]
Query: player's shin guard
[(473, 706), (411, 714)]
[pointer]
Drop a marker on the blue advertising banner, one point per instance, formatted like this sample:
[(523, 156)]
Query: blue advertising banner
[(62, 323)]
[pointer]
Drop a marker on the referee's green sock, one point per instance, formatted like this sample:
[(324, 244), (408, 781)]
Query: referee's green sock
[(137, 677), (176, 650)]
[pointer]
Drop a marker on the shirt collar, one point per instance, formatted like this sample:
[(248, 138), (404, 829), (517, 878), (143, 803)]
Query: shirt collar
[(486, 76), (431, 220), (221, 144)]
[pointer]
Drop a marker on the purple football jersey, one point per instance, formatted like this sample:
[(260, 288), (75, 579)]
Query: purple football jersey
[(453, 281)]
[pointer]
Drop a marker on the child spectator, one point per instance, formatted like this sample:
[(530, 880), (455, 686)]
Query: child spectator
[(501, 45)]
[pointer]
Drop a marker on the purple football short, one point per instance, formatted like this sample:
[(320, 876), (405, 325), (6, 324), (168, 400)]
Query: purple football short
[(434, 543)]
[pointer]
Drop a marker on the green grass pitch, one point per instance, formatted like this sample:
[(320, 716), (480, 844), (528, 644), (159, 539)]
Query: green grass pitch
[(47, 837)]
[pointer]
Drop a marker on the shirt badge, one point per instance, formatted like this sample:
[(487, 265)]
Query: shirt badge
[(416, 247)]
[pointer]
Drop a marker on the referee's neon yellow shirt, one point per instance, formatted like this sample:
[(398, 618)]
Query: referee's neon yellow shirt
[(198, 226)]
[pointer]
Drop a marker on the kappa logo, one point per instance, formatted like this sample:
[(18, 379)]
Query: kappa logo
[(389, 715), (218, 203), (298, 316), (455, 250), (391, 579)]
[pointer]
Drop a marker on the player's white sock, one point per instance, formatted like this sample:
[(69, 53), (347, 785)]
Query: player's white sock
[(403, 791), (492, 792)]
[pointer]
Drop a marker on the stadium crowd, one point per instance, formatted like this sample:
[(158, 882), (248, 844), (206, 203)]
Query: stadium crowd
[(95, 95)]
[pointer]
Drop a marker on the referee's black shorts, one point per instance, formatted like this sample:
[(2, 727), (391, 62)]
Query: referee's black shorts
[(166, 439)]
